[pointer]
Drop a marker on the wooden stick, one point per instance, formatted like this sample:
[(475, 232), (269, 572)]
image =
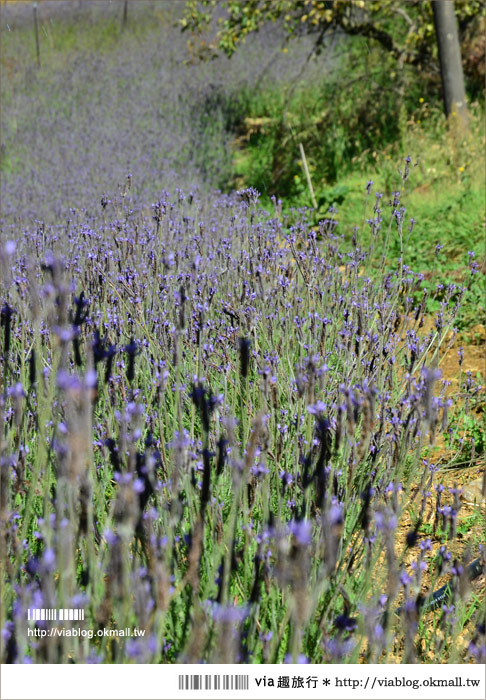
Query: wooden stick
[(36, 29), (307, 174)]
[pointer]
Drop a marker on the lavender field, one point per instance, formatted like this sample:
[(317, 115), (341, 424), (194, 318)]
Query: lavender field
[(218, 415)]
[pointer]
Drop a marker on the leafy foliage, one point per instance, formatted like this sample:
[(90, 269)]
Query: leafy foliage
[(406, 32)]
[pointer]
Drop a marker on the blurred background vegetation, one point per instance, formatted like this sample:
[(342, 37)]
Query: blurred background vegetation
[(358, 85), (385, 80)]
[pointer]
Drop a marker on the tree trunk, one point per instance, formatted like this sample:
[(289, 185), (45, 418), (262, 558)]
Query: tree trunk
[(450, 60)]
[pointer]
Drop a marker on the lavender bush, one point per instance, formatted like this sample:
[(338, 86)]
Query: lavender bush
[(214, 420), (137, 94)]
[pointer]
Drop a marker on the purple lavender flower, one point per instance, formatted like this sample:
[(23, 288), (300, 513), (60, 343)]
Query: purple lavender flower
[(302, 531)]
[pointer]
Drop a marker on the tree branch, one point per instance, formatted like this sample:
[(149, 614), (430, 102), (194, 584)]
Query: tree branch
[(372, 32)]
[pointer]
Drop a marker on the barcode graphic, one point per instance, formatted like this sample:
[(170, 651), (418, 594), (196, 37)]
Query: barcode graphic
[(53, 614), (208, 682)]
